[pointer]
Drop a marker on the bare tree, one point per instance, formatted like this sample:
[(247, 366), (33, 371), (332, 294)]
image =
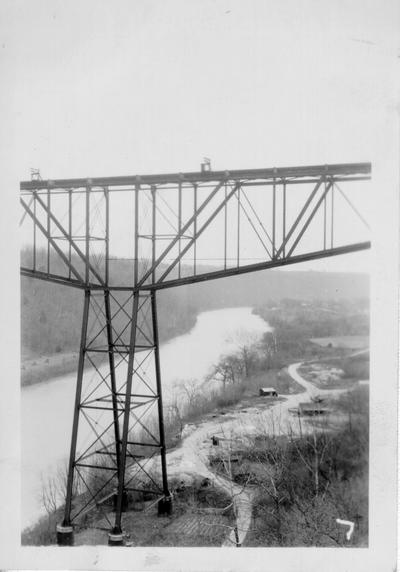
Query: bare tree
[(53, 489), (229, 370), (174, 418), (248, 344)]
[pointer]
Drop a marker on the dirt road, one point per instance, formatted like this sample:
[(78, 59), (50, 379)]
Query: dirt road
[(190, 461)]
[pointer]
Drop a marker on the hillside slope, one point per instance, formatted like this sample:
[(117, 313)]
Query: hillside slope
[(51, 314)]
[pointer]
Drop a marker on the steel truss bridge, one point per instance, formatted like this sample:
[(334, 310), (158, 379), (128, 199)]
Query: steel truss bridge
[(168, 230)]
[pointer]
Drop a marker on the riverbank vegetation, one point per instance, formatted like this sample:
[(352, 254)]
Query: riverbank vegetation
[(303, 485)]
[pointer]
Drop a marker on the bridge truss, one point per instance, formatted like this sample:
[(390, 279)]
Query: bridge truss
[(167, 230)]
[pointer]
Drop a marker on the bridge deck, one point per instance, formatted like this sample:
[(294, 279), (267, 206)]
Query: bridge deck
[(335, 170)]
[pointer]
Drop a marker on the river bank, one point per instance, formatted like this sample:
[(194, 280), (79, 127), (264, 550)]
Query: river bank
[(38, 368), (41, 368), (47, 407)]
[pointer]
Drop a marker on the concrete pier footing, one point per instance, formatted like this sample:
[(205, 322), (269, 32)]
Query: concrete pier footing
[(165, 506), (65, 535), (115, 539)]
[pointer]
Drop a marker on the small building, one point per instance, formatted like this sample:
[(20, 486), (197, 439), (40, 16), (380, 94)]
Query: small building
[(268, 392), (312, 408)]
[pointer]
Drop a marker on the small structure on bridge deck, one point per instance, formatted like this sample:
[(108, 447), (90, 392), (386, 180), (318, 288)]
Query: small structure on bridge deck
[(268, 392), (312, 408)]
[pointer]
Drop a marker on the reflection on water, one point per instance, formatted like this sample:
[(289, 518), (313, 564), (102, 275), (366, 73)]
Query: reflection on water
[(47, 408)]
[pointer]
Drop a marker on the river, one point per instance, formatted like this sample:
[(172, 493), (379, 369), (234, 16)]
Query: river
[(47, 407)]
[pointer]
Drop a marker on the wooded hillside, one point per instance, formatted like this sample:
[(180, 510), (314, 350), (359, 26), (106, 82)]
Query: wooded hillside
[(51, 314)]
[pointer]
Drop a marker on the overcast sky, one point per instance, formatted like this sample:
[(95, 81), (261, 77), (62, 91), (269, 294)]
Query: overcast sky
[(110, 88)]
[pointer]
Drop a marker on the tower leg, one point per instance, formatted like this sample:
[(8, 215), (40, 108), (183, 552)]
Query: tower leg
[(165, 505), (65, 531), (116, 536), (143, 338), (110, 342)]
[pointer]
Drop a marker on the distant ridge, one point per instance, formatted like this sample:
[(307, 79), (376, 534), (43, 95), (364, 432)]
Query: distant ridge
[(51, 314), (264, 286)]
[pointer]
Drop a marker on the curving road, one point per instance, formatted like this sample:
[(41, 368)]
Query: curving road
[(294, 374)]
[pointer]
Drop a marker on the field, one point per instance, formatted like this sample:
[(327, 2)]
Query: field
[(349, 342)]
